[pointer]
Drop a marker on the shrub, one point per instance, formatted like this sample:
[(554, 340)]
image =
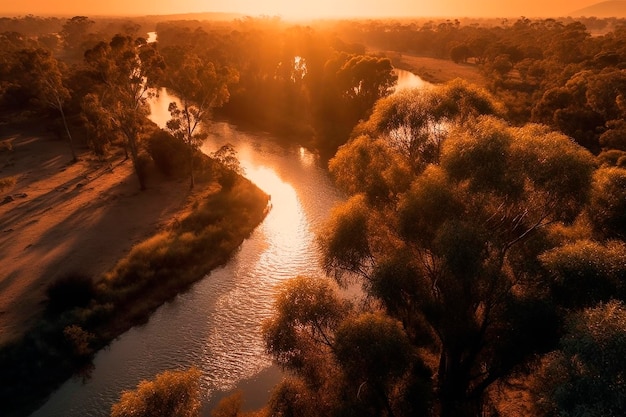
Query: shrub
[(171, 393), (170, 155), (70, 291), (7, 182)]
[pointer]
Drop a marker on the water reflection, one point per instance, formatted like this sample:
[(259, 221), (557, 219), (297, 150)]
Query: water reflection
[(216, 325), (407, 79)]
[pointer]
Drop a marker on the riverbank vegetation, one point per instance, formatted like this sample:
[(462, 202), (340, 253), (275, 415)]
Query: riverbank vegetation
[(85, 315), (485, 224)]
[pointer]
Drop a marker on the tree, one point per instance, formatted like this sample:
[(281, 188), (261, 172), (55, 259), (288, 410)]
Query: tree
[(585, 377), (441, 258), (127, 70), (170, 394), (607, 208), (98, 123), (201, 87), (584, 273), (46, 80), (375, 353), (415, 122), (229, 166), (307, 312), (74, 32), (342, 362)]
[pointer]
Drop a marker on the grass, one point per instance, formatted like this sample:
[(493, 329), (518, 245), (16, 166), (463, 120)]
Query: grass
[(435, 70), (152, 273), (7, 182)]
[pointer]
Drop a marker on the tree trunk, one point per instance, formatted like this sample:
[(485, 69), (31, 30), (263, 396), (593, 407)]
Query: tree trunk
[(191, 178), (454, 399), (134, 154), (69, 136)]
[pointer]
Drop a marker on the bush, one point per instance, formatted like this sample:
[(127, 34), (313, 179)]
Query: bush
[(170, 155), (70, 291), (171, 393), (7, 182)]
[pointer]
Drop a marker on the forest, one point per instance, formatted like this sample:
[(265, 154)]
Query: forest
[(485, 225)]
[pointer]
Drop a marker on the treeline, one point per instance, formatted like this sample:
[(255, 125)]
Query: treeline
[(292, 80), (546, 71)]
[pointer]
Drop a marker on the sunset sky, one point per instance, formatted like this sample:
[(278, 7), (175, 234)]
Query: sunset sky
[(301, 9)]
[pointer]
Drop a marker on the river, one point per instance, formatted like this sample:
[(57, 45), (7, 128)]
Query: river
[(215, 326)]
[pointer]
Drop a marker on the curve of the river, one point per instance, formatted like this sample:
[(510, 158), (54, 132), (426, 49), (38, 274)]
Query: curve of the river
[(215, 326)]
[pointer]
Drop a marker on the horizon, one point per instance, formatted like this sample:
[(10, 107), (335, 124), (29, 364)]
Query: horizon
[(321, 9)]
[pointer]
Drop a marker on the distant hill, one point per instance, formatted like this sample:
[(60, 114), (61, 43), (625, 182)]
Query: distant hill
[(611, 8)]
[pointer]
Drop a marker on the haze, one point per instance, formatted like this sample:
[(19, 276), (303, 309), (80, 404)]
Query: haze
[(310, 9)]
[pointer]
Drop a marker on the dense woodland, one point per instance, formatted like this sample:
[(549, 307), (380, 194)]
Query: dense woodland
[(485, 224)]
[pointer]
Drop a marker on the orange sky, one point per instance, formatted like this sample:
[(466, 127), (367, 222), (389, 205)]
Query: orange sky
[(299, 9)]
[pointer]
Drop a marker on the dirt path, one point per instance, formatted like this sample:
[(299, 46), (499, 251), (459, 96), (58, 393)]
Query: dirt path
[(60, 218)]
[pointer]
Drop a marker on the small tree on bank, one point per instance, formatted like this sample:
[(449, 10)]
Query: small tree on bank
[(170, 394), (200, 87)]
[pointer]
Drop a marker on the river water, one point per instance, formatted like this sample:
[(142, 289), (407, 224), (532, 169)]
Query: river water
[(215, 326)]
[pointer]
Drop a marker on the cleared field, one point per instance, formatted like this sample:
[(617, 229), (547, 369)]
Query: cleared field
[(436, 70)]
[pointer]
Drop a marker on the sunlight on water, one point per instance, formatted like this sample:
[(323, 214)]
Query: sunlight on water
[(408, 80), (216, 325)]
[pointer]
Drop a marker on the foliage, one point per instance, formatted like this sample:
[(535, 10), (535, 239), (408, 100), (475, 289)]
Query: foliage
[(98, 123), (378, 172), (170, 394), (415, 122), (201, 87), (79, 340), (585, 377), (168, 152), (607, 208), (228, 165), (585, 273), (439, 257), (308, 310), (40, 70), (229, 406), (126, 70), (70, 291)]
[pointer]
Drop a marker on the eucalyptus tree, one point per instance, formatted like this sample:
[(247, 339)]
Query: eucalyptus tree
[(42, 72), (416, 121), (200, 87), (126, 70), (451, 254)]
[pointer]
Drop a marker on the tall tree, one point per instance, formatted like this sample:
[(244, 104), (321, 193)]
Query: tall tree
[(127, 70), (42, 71), (443, 256), (74, 32), (200, 87)]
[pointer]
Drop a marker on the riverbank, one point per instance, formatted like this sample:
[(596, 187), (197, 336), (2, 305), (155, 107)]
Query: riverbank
[(434, 70), (65, 218)]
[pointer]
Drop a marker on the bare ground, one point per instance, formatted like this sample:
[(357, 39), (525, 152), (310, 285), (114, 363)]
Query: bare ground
[(61, 218)]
